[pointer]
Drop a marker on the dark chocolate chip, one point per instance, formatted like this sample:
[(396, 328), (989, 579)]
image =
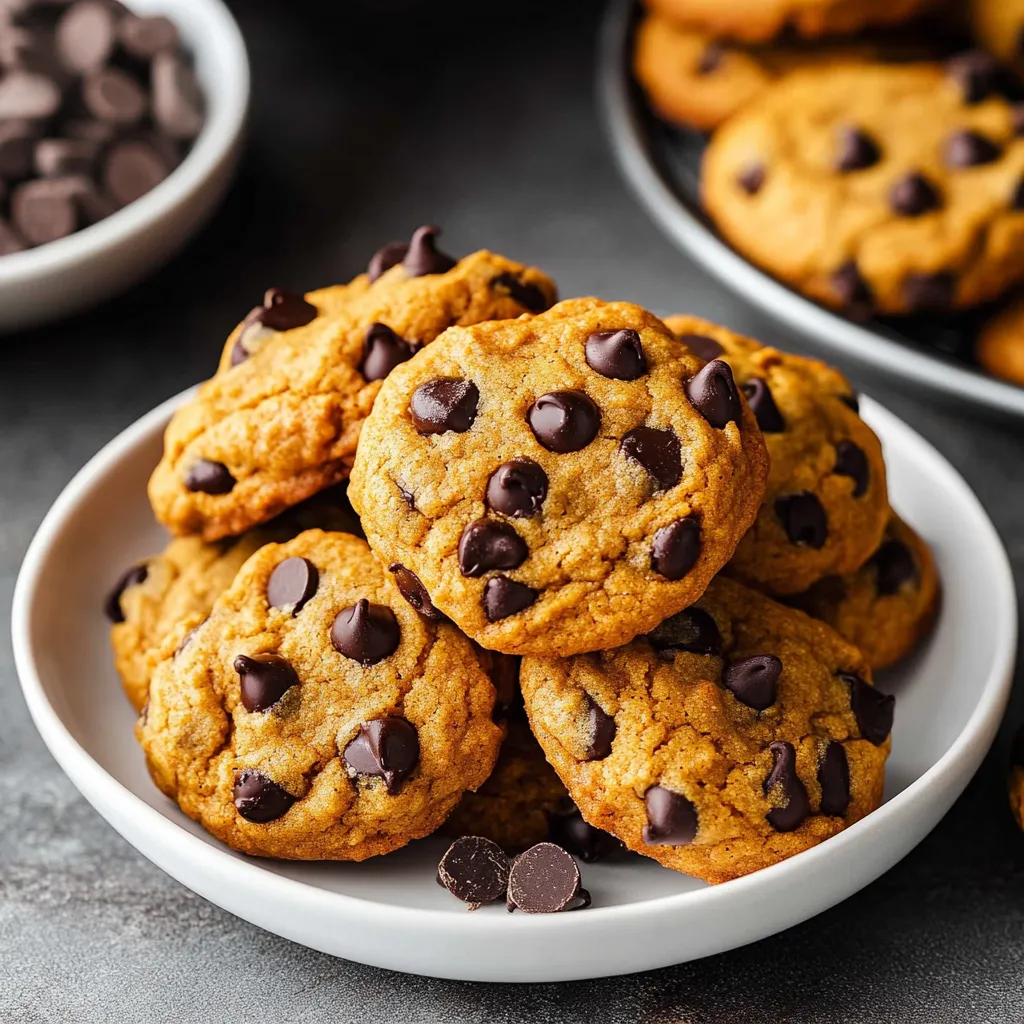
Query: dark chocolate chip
[(10, 240), (834, 780), (383, 350), (913, 195), (258, 798), (692, 630), (264, 680), (852, 462), (474, 870), (968, 149), (671, 818), (529, 296), (934, 292), (751, 179), (851, 289), (783, 781), (753, 680), (414, 592), (504, 597), (27, 96), (564, 421), (857, 150), (407, 496), (872, 709), (423, 257), (43, 211), (762, 405), (894, 565), (676, 548), (486, 544), (209, 477), (657, 451), (386, 748), (292, 583), (616, 354), (386, 257), (188, 638), (600, 731), (85, 36), (178, 106), (144, 38), (803, 518), (712, 392), (58, 158), (112, 95), (701, 345), (976, 72), (284, 311), (18, 146), (366, 632), (710, 58), (567, 829), (131, 169), (443, 404), (544, 880), (131, 578), (851, 401), (517, 489)]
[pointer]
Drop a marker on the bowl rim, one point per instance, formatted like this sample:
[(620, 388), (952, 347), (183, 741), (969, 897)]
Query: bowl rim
[(227, 111)]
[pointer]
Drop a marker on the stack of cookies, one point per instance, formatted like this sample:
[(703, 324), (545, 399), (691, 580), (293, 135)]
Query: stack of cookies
[(450, 556), (863, 166)]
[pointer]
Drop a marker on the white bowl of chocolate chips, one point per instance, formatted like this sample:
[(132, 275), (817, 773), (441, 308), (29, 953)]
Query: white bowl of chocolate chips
[(119, 132)]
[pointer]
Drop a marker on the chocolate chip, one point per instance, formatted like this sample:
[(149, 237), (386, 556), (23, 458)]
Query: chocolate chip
[(913, 195), (529, 296), (753, 680), (386, 748), (564, 421), (258, 798), (504, 597), (762, 405), (85, 36), (10, 240), (852, 462), (616, 354), (188, 638), (386, 257), (751, 179), (857, 150), (851, 401), (284, 311), (701, 345), (486, 545), (131, 169), (968, 149), (517, 489), (710, 58), (567, 829), (414, 592), (89, 130), (671, 818), (423, 257), (474, 870), (933, 292), (834, 780), (44, 211), (872, 709), (17, 149), (443, 404), (209, 477), (600, 731), (712, 392), (112, 95), (894, 565), (692, 630), (407, 496), (545, 880), (676, 548), (144, 38), (178, 106), (851, 289), (803, 519), (976, 72), (657, 451), (366, 632), (292, 583), (383, 350), (131, 578), (783, 781), (264, 680), (28, 96), (58, 158)]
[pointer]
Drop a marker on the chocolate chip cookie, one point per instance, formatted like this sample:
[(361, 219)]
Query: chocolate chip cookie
[(1000, 345), (559, 483), (888, 605), (999, 26), (738, 733), (876, 188), (315, 714), (826, 506), (283, 423)]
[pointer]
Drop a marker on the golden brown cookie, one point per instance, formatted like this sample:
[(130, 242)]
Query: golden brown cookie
[(559, 483), (284, 423), (1000, 345), (315, 715), (739, 733), (826, 506), (999, 26), (893, 189), (887, 606)]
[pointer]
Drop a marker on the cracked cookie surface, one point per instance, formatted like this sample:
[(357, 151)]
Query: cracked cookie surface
[(741, 732), (559, 483), (315, 714)]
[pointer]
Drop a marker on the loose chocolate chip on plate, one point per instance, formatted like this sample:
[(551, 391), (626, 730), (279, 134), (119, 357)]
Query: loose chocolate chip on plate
[(676, 548), (423, 257), (517, 488), (486, 545), (894, 566), (692, 630), (701, 345), (976, 72), (567, 829), (968, 149), (178, 106), (751, 179), (386, 257), (857, 150), (414, 592), (113, 95), (753, 680), (600, 731), (504, 597), (17, 149), (788, 794), (209, 477), (264, 679), (710, 58), (144, 38), (43, 211), (657, 451), (616, 354), (564, 421), (292, 583), (258, 798), (474, 870), (10, 240), (131, 578), (386, 748), (367, 633), (852, 462), (28, 96), (529, 296), (712, 392), (86, 36), (913, 195), (834, 780), (803, 518), (851, 289), (58, 158), (545, 880), (872, 709), (924, 292), (443, 404), (671, 818), (383, 350), (131, 169), (762, 405)]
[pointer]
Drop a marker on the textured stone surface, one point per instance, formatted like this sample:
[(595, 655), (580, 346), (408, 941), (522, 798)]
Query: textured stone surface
[(89, 930)]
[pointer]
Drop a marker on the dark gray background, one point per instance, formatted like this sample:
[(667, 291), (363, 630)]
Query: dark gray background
[(363, 127)]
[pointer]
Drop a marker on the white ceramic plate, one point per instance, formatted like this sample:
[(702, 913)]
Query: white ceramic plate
[(390, 912)]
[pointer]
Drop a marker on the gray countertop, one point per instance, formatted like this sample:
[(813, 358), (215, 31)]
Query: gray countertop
[(481, 119)]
